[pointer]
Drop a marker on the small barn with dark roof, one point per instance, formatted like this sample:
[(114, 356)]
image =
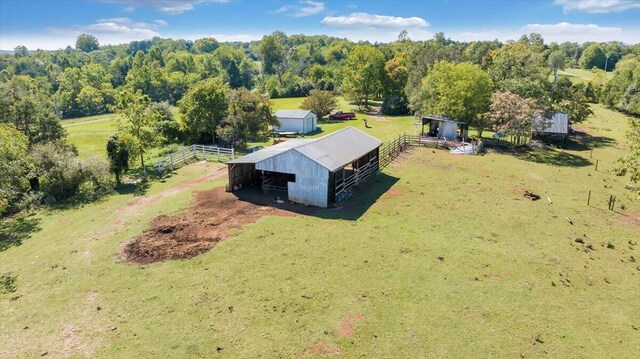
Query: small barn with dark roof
[(314, 172)]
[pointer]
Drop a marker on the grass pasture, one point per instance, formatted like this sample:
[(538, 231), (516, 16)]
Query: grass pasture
[(90, 134), (439, 256)]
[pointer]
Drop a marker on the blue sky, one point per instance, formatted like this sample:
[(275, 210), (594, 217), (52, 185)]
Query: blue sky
[(53, 24)]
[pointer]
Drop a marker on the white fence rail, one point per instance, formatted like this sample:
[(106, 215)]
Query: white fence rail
[(200, 152)]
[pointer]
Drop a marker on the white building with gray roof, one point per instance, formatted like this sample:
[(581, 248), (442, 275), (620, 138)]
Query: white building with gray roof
[(299, 121), (311, 171)]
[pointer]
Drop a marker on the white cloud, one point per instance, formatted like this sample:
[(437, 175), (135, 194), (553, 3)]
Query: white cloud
[(598, 6), (565, 31), (111, 31), (362, 26), (304, 8), (559, 32), (366, 20), (172, 7), (224, 37)]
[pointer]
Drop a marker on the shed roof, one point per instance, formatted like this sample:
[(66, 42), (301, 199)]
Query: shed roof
[(559, 123), (332, 151), (440, 119), (292, 113)]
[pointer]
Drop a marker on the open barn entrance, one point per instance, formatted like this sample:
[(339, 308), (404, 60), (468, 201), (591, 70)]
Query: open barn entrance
[(276, 182)]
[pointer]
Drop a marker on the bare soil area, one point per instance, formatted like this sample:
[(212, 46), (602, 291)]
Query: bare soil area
[(208, 221)]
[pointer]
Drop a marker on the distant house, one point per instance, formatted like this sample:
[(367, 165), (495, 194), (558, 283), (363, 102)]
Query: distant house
[(557, 127), (299, 121), (444, 128), (314, 172)]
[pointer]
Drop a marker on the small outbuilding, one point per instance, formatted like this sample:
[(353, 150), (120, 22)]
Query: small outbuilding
[(314, 172), (557, 127), (299, 121), (444, 128)]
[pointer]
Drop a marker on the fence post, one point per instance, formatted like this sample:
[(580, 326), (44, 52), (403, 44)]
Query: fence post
[(218, 149), (233, 155), (589, 198), (591, 154), (204, 154), (597, 164), (184, 158), (171, 160)]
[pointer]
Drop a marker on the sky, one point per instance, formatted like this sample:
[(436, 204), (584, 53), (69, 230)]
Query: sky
[(54, 24)]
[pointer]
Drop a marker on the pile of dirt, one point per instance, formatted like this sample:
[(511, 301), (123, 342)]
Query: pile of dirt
[(208, 221)]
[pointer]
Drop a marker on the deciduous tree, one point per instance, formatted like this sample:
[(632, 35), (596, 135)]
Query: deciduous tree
[(204, 107), (512, 114), (87, 43), (320, 102), (363, 74), (138, 124), (461, 91)]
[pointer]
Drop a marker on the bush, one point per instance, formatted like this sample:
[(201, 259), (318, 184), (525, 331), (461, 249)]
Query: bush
[(394, 104), (61, 173)]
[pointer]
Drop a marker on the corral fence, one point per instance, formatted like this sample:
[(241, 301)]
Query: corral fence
[(392, 149), (198, 152)]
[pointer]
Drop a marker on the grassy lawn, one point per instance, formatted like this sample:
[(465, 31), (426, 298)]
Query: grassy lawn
[(90, 134), (438, 256), (582, 75)]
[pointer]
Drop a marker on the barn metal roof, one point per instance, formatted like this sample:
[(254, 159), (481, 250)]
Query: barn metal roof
[(559, 123), (332, 151), (292, 113), (271, 151)]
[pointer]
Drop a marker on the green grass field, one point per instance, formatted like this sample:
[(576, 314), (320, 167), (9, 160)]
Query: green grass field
[(90, 134), (582, 75), (445, 258)]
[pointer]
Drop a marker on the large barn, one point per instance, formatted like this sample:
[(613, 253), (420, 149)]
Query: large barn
[(315, 172)]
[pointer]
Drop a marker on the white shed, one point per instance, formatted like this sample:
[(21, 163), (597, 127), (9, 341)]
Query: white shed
[(300, 121)]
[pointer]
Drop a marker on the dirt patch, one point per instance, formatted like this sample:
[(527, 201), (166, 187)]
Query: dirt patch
[(536, 176), (395, 192), (92, 296), (208, 221), (321, 348), (71, 342), (135, 204), (347, 327), (631, 218)]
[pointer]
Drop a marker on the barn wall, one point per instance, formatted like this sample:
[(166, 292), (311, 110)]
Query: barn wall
[(241, 173), (291, 124), (311, 185)]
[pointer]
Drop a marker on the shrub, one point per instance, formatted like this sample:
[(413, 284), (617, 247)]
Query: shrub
[(395, 104)]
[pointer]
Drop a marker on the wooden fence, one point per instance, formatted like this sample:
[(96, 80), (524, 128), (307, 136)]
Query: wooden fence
[(343, 187), (199, 152), (392, 149)]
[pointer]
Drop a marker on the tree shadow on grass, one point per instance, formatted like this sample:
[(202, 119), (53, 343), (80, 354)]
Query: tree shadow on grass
[(553, 157), (13, 231), (139, 184), (583, 141)]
